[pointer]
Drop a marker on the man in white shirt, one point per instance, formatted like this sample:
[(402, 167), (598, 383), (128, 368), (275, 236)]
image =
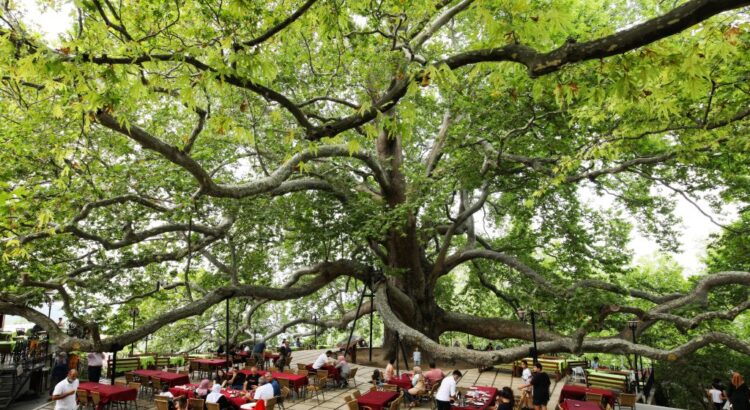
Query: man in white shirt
[(95, 362), (447, 391), (322, 360), (64, 393), (264, 390)]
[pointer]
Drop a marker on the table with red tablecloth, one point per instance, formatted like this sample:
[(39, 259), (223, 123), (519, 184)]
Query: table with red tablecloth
[(189, 392), (478, 397), (403, 382), (377, 400), (109, 393), (211, 362), (333, 371), (296, 381), (578, 392), (170, 378), (571, 404)]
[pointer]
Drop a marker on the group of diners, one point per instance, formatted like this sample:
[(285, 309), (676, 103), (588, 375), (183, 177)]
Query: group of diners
[(254, 385), (535, 387), (327, 360)]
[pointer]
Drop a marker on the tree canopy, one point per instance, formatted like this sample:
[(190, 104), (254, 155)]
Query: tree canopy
[(176, 154)]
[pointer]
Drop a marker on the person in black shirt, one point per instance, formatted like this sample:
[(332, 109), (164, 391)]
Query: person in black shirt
[(238, 380), (738, 393), (252, 378), (505, 400), (540, 382)]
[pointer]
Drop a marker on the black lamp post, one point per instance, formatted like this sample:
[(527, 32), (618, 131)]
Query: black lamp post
[(315, 331), (522, 316), (633, 325), (134, 312), (147, 337)]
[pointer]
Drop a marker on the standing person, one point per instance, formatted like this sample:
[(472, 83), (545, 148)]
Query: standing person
[(95, 362), (297, 342), (595, 363), (417, 356), (738, 393), (541, 382), (64, 393), (717, 395), (284, 352), (525, 379), (259, 351), (447, 391), (59, 370)]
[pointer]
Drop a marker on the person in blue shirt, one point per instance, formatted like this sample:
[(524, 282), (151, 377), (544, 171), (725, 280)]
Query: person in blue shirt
[(275, 384), (258, 352)]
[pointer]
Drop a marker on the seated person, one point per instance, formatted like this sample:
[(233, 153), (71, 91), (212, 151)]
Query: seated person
[(434, 375), (506, 400), (275, 384), (322, 360), (390, 371), (344, 370), (264, 391), (251, 379), (168, 394), (216, 397), (377, 378), (237, 381), (203, 389), (418, 387)]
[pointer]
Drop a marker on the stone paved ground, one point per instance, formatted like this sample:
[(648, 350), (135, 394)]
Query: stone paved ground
[(334, 397)]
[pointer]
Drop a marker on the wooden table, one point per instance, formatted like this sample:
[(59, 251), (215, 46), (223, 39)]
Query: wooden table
[(189, 392), (169, 378), (478, 397), (109, 393), (377, 400), (577, 392), (579, 405)]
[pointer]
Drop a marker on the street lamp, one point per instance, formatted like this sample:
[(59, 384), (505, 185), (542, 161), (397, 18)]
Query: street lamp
[(522, 316), (315, 331), (134, 312), (633, 325)]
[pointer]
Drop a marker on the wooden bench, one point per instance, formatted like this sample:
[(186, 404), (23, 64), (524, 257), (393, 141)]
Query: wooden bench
[(551, 365), (125, 364), (162, 362), (513, 368), (607, 381)]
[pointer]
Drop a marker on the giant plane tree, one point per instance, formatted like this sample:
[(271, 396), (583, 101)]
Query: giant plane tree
[(187, 152)]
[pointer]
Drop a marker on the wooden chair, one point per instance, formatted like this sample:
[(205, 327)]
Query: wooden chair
[(95, 398), (155, 386), (390, 387), (626, 400), (121, 383), (347, 398), (322, 376), (196, 404), (285, 392), (356, 394), (316, 387), (213, 406), (83, 398), (271, 404), (354, 405), (185, 372), (161, 403), (129, 377), (136, 386), (301, 366), (352, 373), (594, 398)]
